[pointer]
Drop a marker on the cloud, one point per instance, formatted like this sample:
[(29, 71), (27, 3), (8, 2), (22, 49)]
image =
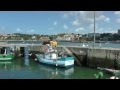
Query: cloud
[(65, 26), (118, 20), (79, 29), (86, 17), (97, 28), (91, 26), (18, 29), (65, 15), (100, 30), (103, 18), (86, 20), (55, 23), (76, 22), (117, 13), (107, 20)]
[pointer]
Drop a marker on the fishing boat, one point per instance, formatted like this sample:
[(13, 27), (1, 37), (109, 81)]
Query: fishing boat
[(5, 54), (51, 57)]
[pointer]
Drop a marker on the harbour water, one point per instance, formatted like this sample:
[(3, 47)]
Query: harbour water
[(18, 69), (29, 69)]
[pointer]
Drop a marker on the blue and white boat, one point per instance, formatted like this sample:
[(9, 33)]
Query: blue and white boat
[(52, 58)]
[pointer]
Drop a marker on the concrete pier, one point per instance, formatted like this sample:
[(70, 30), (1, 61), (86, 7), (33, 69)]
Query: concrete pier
[(103, 57), (92, 57), (98, 57), (84, 56)]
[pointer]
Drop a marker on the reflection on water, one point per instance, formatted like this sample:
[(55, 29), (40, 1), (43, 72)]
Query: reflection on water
[(23, 69), (26, 58), (27, 62), (54, 73), (4, 64)]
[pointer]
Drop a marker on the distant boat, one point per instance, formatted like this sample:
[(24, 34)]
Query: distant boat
[(52, 58), (5, 55)]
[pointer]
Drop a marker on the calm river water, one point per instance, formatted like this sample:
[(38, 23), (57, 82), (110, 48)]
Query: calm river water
[(29, 69)]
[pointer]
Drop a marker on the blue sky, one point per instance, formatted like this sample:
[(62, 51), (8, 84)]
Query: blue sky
[(53, 22)]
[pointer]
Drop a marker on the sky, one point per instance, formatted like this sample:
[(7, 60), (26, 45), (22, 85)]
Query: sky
[(54, 22)]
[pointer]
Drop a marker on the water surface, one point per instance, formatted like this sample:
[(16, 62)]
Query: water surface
[(29, 69)]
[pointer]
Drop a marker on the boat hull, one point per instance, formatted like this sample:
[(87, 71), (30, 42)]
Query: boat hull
[(63, 62), (6, 57)]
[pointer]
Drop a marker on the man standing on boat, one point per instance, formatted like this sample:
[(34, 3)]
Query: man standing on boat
[(53, 43), (50, 45)]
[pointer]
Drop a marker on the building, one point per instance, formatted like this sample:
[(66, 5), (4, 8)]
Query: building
[(119, 31), (92, 34)]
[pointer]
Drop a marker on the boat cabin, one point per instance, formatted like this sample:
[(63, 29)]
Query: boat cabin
[(5, 50)]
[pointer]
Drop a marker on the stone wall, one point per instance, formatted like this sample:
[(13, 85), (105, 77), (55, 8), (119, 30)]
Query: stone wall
[(97, 57)]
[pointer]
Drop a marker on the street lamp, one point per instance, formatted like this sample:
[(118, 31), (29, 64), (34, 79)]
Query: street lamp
[(94, 30)]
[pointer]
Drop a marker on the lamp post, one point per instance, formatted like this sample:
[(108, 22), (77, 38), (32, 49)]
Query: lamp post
[(94, 40), (94, 31)]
